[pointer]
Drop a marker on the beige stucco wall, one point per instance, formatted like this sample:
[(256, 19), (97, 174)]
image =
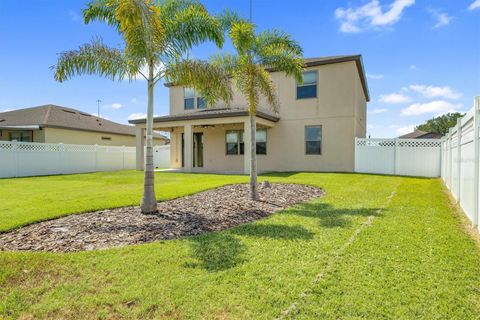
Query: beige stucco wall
[(67, 136), (340, 108)]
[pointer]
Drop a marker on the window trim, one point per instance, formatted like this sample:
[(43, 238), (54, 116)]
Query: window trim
[(321, 139), (304, 85)]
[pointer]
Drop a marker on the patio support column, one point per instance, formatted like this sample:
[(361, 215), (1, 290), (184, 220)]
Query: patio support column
[(246, 143), (188, 145), (140, 148)]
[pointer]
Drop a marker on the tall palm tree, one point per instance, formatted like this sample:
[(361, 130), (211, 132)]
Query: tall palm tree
[(249, 68), (157, 35)]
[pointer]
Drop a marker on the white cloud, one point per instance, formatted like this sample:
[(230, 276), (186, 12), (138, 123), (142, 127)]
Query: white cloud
[(404, 130), (6, 110), (442, 18), (114, 106), (139, 115), (375, 76), (134, 100), (393, 98), (475, 5), (437, 107), (413, 67), (371, 15), (378, 111), (435, 92)]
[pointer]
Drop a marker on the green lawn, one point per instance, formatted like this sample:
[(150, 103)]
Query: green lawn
[(375, 247)]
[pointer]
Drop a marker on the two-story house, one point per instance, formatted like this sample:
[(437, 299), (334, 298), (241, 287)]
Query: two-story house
[(314, 130)]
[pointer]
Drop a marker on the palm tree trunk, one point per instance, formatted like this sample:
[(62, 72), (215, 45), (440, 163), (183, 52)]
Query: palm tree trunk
[(149, 202), (253, 159)]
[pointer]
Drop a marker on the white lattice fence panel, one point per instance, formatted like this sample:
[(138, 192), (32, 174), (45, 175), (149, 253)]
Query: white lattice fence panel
[(412, 157), (417, 157), (19, 159), (375, 156)]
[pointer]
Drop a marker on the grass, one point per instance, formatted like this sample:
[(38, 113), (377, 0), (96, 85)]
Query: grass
[(414, 260)]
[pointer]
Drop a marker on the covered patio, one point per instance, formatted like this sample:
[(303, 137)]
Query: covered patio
[(199, 140)]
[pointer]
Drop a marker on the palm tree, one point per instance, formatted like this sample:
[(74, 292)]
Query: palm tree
[(249, 68), (157, 35)]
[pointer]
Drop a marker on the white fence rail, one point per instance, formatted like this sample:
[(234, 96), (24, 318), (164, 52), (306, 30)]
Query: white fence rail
[(22, 159), (409, 157), (460, 162)]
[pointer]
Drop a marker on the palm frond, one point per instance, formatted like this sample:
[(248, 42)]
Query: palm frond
[(94, 58), (189, 25), (243, 36), (275, 49), (211, 81), (267, 88), (101, 10), (227, 62)]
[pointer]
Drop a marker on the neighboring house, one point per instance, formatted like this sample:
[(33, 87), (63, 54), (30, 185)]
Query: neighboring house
[(314, 130), (419, 134), (55, 124)]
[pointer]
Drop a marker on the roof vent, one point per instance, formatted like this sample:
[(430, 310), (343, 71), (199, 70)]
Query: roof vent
[(85, 114), (69, 111)]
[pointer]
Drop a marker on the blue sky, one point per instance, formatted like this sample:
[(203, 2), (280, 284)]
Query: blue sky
[(422, 57)]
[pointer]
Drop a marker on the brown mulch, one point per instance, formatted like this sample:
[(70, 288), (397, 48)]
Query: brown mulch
[(207, 211)]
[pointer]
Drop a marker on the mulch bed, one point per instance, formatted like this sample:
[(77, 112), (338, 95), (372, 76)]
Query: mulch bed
[(211, 210)]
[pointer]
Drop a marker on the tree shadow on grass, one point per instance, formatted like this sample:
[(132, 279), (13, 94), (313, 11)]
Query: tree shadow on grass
[(220, 251), (329, 216), (216, 251)]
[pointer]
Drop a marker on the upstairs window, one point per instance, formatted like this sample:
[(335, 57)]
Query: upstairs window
[(313, 140), (201, 103), (192, 100), (189, 98), (308, 89)]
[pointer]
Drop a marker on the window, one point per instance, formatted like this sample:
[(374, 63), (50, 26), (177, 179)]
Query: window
[(26, 136), (236, 146), (313, 140), (107, 138), (308, 89), (261, 138), (192, 100), (201, 103), (189, 99), (233, 141)]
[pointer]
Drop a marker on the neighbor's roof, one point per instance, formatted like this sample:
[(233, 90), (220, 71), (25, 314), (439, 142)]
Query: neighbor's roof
[(419, 134), (209, 114), (60, 117), (313, 62)]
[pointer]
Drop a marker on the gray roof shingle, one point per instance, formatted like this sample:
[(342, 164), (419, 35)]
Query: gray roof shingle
[(61, 117)]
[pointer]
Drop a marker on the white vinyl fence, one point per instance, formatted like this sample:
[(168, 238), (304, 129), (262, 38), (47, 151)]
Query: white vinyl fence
[(460, 162), (21, 159), (406, 157), (161, 157)]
